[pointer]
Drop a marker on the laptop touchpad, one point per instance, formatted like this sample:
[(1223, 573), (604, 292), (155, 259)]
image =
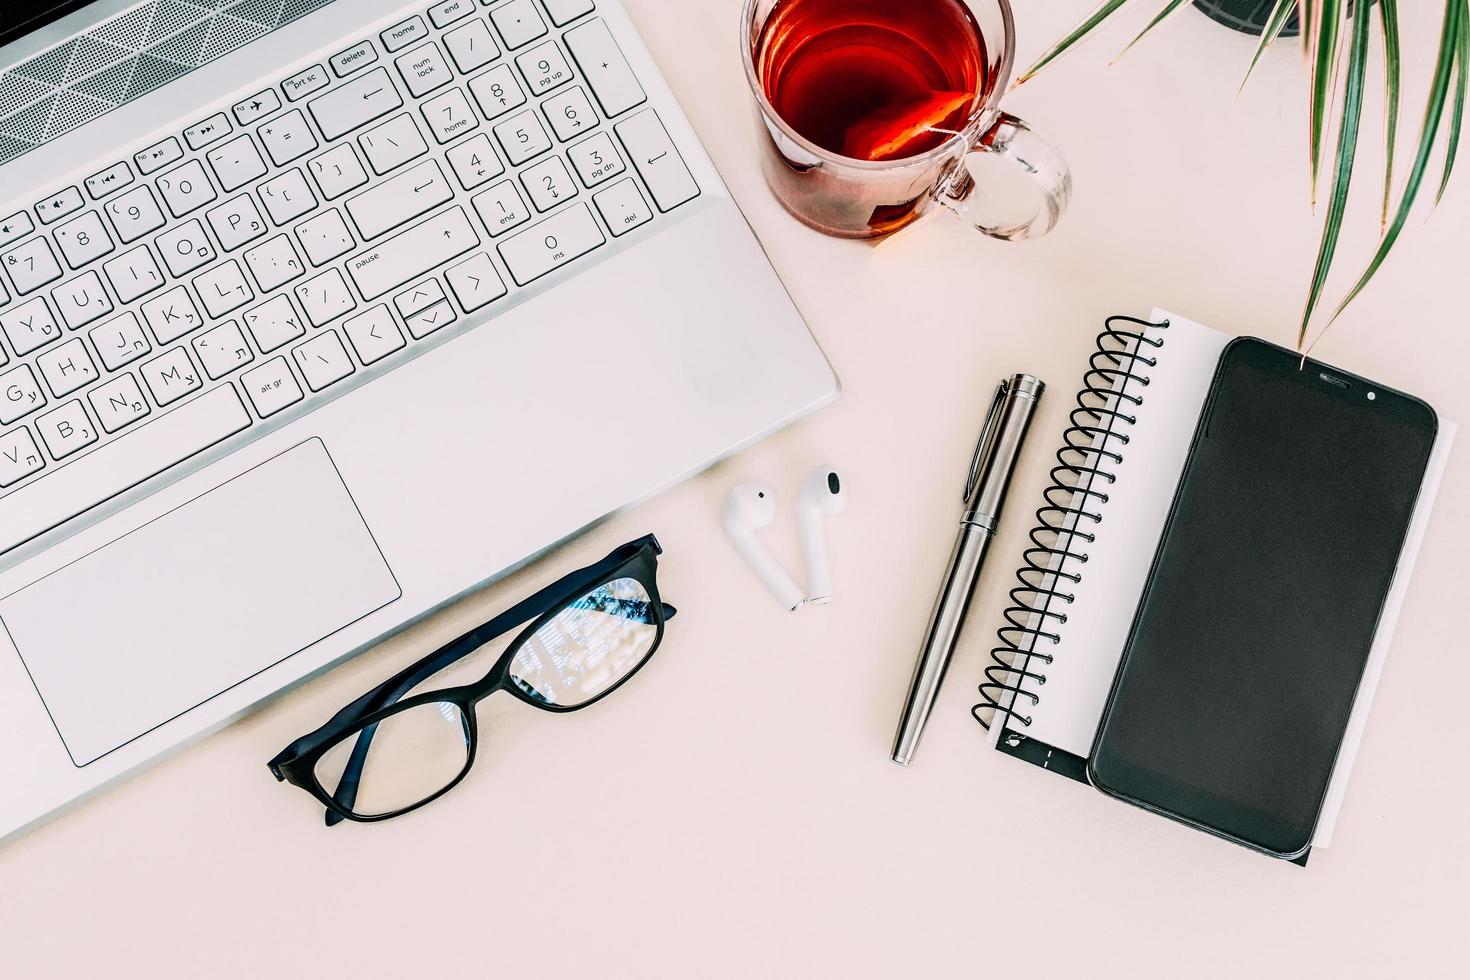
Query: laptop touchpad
[(192, 603)]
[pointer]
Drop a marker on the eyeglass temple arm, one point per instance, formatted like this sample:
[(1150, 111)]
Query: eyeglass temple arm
[(395, 688)]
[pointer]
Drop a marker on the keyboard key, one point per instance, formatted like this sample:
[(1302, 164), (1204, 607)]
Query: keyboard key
[(471, 46), (400, 36), (273, 324), (302, 84), (449, 11), (497, 92), (603, 65), (287, 138), (135, 214), (66, 429), (84, 240), (237, 222), (185, 190), (274, 263), (563, 12), (596, 160), (423, 70), (523, 137), (355, 103), (569, 113), (16, 227), (412, 253), (19, 457), (67, 368), (223, 289), (105, 182), (338, 171), (622, 207), (548, 183), (501, 208), (82, 300), (185, 248), (172, 315), (544, 67), (400, 199), (271, 387), (109, 470), (158, 156), (325, 237), (60, 205), (258, 106), (31, 265), (287, 197), (360, 55), (29, 326), (449, 115), (134, 274), (201, 134), (236, 163), (120, 341), (374, 334), (551, 244), (323, 360), (655, 157), (20, 394), (223, 349), (326, 297), (475, 162), (171, 376), (518, 23), (118, 403), (425, 322), (393, 144), (420, 297), (475, 283)]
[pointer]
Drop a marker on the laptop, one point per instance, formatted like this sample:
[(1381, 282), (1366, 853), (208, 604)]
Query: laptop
[(316, 315)]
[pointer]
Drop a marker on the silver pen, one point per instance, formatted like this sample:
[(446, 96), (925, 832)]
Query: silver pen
[(985, 490)]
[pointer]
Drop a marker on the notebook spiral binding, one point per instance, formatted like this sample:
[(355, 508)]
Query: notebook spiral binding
[(1099, 424)]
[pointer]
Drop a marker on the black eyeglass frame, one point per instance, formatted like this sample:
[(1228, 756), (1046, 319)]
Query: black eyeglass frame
[(296, 764)]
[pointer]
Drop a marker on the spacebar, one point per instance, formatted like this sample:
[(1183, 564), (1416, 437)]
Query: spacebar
[(107, 472)]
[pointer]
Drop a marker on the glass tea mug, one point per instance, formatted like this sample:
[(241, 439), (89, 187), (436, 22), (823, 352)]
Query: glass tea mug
[(855, 198)]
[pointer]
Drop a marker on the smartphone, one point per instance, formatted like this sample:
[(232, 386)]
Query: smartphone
[(1232, 697)]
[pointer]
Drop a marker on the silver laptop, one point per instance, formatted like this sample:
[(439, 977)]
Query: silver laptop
[(317, 314)]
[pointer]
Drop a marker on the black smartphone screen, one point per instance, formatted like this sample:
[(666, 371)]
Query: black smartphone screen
[(1252, 634)]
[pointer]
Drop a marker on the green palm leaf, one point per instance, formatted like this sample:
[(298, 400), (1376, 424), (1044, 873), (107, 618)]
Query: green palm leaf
[(1159, 18), (1388, 15), (1326, 45), (1279, 15), (1433, 115), (1457, 114), (1347, 145), (1102, 13)]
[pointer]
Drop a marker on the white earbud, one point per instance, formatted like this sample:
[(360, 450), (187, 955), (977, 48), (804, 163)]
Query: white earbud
[(750, 507), (820, 495)]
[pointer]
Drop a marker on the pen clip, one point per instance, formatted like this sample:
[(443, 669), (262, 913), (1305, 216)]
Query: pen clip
[(986, 432)]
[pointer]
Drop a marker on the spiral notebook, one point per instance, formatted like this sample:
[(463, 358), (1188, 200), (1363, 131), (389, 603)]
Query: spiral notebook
[(1052, 726)]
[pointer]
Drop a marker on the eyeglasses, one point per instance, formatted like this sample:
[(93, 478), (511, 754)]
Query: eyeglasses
[(412, 739)]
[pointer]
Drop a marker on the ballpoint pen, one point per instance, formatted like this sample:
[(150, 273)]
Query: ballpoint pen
[(985, 488)]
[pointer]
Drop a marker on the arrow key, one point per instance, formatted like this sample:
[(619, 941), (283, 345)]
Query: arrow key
[(420, 297), (374, 334), (436, 317), (475, 162), (475, 283)]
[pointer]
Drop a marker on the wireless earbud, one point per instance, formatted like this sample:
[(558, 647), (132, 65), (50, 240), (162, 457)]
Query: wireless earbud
[(750, 507), (820, 495)]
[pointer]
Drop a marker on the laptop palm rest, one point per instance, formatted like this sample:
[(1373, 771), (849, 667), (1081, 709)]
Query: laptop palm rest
[(197, 601)]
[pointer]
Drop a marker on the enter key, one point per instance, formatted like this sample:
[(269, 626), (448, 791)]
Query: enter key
[(653, 153), (400, 200)]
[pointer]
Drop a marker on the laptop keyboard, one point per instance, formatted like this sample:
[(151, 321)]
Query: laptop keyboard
[(243, 268)]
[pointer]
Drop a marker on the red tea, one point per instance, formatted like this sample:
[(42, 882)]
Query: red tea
[(873, 79)]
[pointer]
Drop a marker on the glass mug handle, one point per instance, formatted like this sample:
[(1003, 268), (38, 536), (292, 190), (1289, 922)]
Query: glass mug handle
[(1009, 143)]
